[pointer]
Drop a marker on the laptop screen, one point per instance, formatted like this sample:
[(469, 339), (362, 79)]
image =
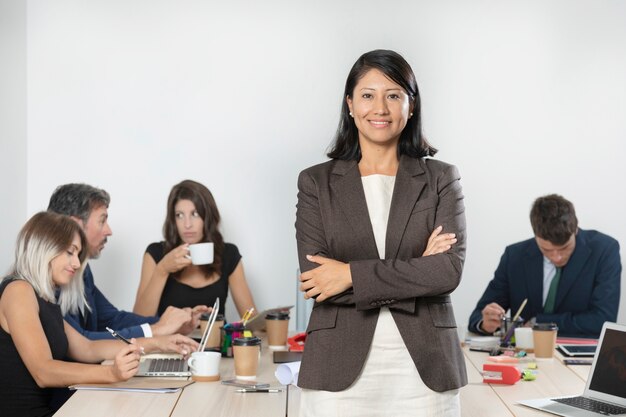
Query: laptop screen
[(609, 373)]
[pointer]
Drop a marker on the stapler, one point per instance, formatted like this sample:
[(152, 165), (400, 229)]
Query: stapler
[(296, 343), (500, 374)]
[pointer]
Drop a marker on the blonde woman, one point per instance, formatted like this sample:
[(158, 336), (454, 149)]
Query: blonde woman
[(35, 341)]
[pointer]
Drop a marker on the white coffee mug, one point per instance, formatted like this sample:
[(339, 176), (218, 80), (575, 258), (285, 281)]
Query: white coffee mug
[(523, 337), (205, 366), (201, 253)]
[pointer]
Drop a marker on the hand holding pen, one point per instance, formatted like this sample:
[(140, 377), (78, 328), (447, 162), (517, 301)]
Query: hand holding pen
[(492, 316), (126, 362)]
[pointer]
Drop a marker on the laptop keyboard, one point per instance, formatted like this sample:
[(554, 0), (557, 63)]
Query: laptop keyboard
[(592, 405), (167, 365)]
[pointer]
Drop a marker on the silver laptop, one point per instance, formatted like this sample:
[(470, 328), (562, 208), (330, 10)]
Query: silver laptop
[(176, 366), (605, 392)]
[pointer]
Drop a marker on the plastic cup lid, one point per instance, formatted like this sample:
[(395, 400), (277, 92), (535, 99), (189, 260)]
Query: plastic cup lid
[(277, 315), (247, 341), (545, 326)]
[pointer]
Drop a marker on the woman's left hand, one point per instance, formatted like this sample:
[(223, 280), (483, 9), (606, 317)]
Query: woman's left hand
[(330, 278), (439, 242)]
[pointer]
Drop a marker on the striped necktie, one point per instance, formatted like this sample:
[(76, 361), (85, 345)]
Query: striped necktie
[(548, 307)]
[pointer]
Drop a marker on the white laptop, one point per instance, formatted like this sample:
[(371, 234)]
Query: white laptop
[(605, 392), (176, 366)]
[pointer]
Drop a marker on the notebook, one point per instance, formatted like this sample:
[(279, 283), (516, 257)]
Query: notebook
[(605, 392), (176, 366)]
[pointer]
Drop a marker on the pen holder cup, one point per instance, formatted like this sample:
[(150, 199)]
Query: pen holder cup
[(230, 332), (507, 329)]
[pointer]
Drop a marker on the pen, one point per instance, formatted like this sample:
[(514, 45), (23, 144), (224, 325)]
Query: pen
[(258, 390), (117, 336)]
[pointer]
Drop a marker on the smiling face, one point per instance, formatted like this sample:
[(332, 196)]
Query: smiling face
[(64, 265), (557, 254), (380, 109), (189, 224)]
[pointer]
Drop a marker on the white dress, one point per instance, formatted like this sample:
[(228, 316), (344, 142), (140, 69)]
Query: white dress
[(389, 384)]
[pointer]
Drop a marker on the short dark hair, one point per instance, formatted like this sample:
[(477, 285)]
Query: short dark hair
[(412, 142), (78, 200), (553, 218), (206, 207)]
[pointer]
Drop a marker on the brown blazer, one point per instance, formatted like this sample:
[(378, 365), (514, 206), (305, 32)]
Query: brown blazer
[(332, 220)]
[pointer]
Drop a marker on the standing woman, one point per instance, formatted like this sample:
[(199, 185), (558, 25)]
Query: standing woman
[(168, 277), (35, 341), (369, 228)]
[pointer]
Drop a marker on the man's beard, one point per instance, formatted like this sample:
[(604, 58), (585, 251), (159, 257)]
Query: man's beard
[(96, 254)]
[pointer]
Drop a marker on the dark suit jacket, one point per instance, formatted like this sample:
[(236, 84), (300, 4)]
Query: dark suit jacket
[(587, 295), (104, 314), (333, 221)]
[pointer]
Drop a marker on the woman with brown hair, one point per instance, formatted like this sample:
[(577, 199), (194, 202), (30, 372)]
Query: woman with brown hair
[(370, 230), (168, 278)]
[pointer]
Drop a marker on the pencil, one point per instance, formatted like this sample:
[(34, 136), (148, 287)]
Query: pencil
[(519, 310)]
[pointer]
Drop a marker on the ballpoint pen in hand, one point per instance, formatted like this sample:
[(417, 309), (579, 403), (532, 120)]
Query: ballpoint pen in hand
[(118, 336), (122, 338)]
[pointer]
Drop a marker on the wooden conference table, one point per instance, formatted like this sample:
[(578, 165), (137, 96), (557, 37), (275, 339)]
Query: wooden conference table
[(214, 399)]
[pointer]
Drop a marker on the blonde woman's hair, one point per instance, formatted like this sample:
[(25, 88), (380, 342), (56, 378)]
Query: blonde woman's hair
[(44, 237)]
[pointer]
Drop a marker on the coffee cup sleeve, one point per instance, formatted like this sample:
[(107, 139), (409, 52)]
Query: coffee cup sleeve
[(287, 373)]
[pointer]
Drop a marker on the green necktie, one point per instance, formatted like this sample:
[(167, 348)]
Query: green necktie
[(548, 307)]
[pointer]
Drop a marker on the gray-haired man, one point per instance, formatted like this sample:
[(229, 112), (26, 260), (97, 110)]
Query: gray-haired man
[(88, 206)]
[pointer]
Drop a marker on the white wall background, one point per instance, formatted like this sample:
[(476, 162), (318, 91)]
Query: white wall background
[(527, 98), (12, 126)]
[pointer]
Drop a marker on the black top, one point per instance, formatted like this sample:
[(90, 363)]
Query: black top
[(19, 394), (182, 295)]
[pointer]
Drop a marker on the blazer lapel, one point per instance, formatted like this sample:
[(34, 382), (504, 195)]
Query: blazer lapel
[(571, 271), (410, 182), (533, 273), (347, 188)]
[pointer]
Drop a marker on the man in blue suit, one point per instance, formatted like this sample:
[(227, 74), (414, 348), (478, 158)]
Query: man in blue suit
[(88, 206), (570, 276)]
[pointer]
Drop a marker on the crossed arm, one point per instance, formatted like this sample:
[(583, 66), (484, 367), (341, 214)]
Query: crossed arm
[(334, 277), (330, 280)]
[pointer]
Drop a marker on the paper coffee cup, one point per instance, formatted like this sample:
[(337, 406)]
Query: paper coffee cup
[(205, 366), (277, 326), (247, 352), (201, 253), (544, 340)]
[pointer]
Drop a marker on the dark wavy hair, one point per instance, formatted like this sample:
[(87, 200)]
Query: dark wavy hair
[(202, 198), (412, 142), (553, 218)]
